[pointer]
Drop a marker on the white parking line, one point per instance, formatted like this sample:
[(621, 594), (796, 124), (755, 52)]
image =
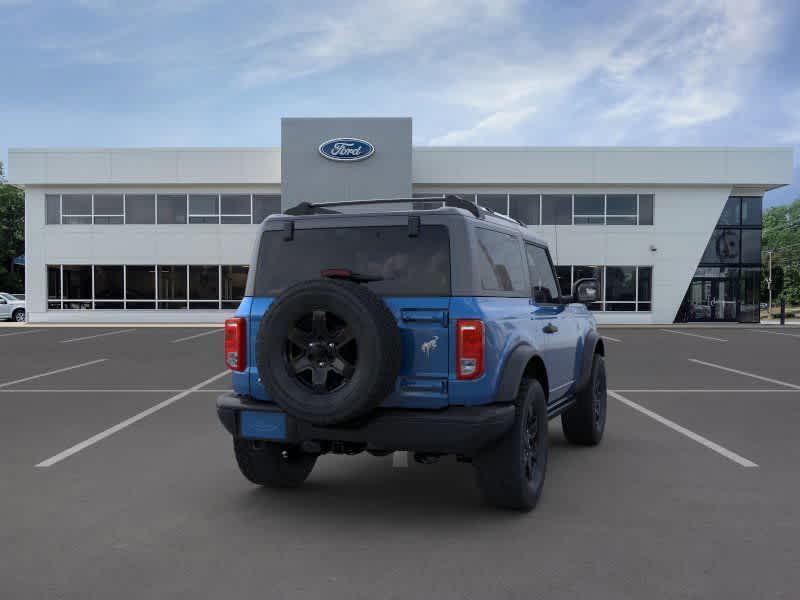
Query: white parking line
[(703, 391), (134, 391), (22, 332), (738, 459), (400, 459), (91, 337), (610, 339), (54, 372), (191, 337), (746, 374), (49, 462), (794, 335), (697, 335)]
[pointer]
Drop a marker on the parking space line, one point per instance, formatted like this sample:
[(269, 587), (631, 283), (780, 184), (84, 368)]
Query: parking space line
[(124, 391), (794, 335), (49, 462), (746, 374), (610, 339), (697, 335), (400, 459), (22, 332), (704, 391), (732, 456), (91, 337), (54, 372), (191, 337)]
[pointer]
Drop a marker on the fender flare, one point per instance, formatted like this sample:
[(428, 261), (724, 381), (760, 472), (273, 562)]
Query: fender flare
[(590, 347), (513, 370)]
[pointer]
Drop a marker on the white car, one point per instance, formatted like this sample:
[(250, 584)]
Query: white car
[(12, 308)]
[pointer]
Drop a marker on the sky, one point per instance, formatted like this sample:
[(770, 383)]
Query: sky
[(107, 73)]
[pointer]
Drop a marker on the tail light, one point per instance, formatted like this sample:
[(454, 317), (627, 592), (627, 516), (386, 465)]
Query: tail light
[(235, 336), (469, 349)]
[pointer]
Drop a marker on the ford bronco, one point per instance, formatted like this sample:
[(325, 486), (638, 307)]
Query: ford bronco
[(431, 330)]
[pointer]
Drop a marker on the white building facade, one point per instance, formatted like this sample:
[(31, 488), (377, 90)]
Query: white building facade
[(166, 235)]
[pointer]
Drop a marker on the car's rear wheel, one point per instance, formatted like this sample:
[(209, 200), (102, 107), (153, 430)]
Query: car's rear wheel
[(585, 421), (18, 315), (271, 464), (511, 472)]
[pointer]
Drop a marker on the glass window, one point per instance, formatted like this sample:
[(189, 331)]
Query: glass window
[(731, 212), (751, 211), (53, 282), (53, 209), (77, 282), (234, 279), (750, 294), (108, 282), (589, 209), (500, 262), (108, 209), (235, 208), (723, 247), (140, 209), (646, 209), (496, 202), (544, 288), (140, 283), (557, 209), (203, 282), (645, 284), (406, 266), (590, 272), (171, 209), (751, 245), (525, 208), (172, 286), (564, 274), (621, 204), (76, 209), (265, 205), (620, 284), (203, 208)]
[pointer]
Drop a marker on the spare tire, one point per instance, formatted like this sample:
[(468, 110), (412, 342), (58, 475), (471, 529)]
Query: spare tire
[(328, 351)]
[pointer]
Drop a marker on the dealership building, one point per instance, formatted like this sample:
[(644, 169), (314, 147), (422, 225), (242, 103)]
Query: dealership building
[(166, 234)]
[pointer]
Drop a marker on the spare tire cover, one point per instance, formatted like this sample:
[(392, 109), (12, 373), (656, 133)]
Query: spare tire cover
[(328, 351)]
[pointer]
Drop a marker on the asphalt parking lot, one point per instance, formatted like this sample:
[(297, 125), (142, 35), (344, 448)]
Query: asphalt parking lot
[(119, 482)]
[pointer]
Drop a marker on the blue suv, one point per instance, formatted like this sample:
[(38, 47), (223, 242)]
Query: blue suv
[(432, 330)]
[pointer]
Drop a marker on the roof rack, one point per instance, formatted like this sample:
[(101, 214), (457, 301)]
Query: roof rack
[(307, 208)]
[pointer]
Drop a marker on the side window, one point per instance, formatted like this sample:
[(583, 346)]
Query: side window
[(500, 262), (543, 284)]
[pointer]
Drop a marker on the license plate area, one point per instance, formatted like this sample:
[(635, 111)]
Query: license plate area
[(262, 425)]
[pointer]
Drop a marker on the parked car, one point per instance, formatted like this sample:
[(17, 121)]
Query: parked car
[(12, 308), (432, 331), (763, 306)]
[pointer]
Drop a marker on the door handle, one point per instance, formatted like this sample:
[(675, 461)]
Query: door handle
[(549, 328)]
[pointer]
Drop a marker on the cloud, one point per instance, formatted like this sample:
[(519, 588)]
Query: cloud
[(494, 123)]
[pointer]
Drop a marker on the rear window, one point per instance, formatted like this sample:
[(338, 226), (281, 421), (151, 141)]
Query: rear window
[(407, 266)]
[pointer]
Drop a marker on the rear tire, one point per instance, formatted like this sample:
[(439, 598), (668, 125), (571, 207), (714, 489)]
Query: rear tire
[(584, 422), (273, 465), (18, 316), (511, 472)]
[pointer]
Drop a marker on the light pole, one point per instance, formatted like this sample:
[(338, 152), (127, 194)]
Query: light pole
[(769, 285)]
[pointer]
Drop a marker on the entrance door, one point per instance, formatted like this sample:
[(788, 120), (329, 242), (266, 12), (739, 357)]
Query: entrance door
[(711, 300)]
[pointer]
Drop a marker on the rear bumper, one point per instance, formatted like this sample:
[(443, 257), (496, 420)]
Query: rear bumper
[(454, 430)]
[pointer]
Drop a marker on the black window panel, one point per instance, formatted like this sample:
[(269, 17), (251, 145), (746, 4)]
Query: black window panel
[(525, 208), (589, 204), (172, 282), (590, 272), (171, 305), (54, 306), (751, 211), (74, 220), (620, 306), (620, 284), (140, 282), (749, 295), (54, 282), (731, 213), (723, 247), (265, 205), (108, 220), (140, 305), (108, 204), (171, 209), (646, 209), (204, 220), (621, 204), (500, 262), (77, 282), (204, 305), (557, 209), (234, 279), (409, 266), (643, 307), (544, 289), (108, 282), (751, 246), (235, 220), (564, 274), (53, 209), (496, 202), (106, 305), (203, 282), (87, 305), (645, 284), (76, 204), (203, 204), (140, 209), (236, 204), (613, 220)]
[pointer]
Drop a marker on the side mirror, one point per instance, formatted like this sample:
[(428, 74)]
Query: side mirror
[(586, 291)]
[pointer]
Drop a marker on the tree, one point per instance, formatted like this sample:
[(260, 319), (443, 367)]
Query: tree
[(781, 235), (12, 235)]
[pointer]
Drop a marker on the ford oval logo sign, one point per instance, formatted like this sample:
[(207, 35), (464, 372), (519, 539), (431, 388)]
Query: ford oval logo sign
[(346, 149)]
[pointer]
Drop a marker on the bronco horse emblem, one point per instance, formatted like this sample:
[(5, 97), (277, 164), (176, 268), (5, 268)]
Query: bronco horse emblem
[(431, 344)]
